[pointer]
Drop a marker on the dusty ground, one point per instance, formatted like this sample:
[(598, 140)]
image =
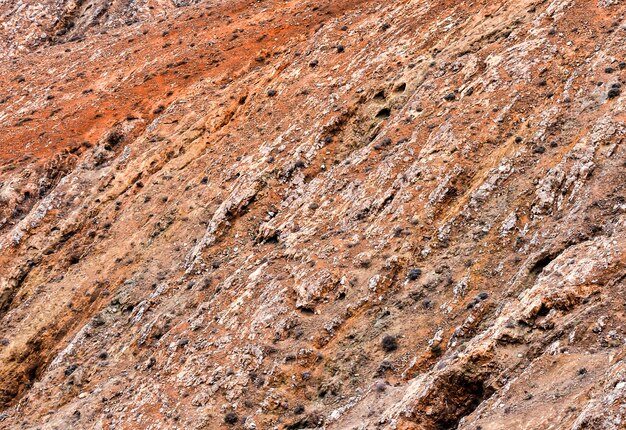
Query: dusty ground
[(296, 214)]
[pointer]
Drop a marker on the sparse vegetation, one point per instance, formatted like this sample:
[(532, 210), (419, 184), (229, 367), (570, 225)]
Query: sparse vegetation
[(231, 418), (389, 343), (414, 274)]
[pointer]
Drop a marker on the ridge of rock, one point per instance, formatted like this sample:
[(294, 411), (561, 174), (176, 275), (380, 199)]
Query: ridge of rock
[(296, 215)]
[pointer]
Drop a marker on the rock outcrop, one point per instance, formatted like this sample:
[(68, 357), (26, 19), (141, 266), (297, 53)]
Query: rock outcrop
[(335, 214)]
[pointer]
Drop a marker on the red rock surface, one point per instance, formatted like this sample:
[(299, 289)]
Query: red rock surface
[(213, 213)]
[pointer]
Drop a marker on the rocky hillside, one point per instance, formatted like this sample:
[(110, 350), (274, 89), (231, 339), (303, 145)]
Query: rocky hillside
[(306, 214)]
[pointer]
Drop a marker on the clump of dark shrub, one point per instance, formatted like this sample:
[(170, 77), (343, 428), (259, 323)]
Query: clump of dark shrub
[(414, 273), (380, 386), (112, 140), (539, 149), (389, 343), (615, 91), (231, 418)]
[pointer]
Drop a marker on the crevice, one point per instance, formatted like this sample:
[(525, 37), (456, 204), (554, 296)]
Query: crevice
[(271, 239), (384, 113), (400, 88), (541, 264), (454, 396), (380, 95), (12, 287)]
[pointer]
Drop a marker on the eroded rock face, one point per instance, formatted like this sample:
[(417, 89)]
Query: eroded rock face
[(339, 215)]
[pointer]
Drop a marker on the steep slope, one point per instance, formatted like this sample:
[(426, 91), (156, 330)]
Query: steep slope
[(340, 215)]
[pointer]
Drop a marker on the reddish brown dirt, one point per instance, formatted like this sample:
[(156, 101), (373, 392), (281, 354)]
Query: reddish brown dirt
[(211, 215)]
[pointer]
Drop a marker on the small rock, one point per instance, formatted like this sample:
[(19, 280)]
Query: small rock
[(600, 324), (363, 259)]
